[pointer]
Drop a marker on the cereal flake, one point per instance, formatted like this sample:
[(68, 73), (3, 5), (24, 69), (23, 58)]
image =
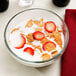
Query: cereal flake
[(45, 56), (44, 40), (38, 29), (54, 53), (29, 23), (30, 37), (57, 38), (14, 30)]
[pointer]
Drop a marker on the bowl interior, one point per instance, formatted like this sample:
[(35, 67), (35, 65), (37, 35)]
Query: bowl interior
[(35, 14)]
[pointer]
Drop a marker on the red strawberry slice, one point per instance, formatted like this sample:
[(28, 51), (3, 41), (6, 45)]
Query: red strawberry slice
[(50, 26), (23, 42), (38, 35), (49, 46), (29, 50)]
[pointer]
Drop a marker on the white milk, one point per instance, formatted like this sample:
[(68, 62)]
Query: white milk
[(15, 41)]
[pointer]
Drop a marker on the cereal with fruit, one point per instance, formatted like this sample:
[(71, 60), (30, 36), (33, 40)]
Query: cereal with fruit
[(37, 40)]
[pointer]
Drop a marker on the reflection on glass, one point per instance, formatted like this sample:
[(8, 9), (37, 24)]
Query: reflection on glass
[(25, 2)]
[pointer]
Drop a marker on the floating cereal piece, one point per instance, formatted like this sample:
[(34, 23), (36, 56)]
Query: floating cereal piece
[(41, 25), (36, 22), (57, 38), (38, 29), (39, 47), (59, 30), (54, 53), (22, 34), (35, 47), (29, 23), (45, 56), (61, 46), (14, 30), (49, 35), (41, 19), (44, 40), (31, 44), (30, 37)]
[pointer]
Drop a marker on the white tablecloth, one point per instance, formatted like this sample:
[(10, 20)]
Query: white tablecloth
[(8, 65)]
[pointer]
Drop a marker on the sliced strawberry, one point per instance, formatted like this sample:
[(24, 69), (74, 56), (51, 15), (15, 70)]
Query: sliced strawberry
[(38, 35), (49, 46), (23, 42), (29, 50), (50, 26)]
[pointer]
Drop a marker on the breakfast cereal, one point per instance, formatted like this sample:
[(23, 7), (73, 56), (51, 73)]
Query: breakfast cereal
[(36, 40)]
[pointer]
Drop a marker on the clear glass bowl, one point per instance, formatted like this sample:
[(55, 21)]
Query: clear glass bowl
[(36, 13)]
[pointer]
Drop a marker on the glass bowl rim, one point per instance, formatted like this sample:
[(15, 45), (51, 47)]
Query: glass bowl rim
[(36, 61)]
